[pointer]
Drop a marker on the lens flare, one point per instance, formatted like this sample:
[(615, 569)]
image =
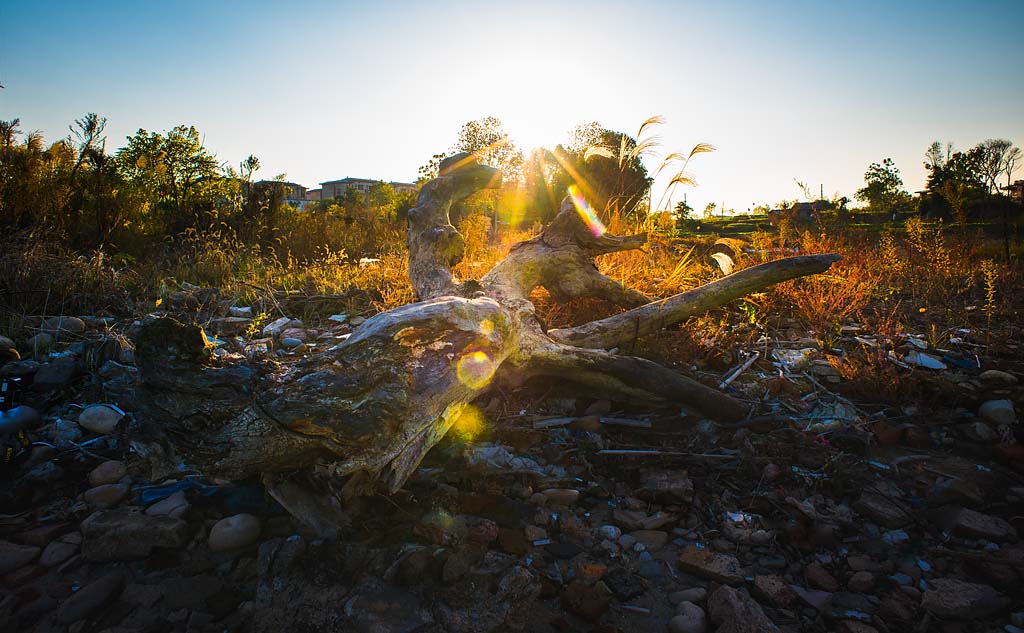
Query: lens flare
[(487, 327), (469, 424), (586, 213), (475, 369)]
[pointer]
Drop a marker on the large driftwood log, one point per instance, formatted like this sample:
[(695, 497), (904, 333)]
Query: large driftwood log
[(371, 407)]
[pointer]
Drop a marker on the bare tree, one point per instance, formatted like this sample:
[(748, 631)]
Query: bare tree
[(1010, 163), (991, 156)]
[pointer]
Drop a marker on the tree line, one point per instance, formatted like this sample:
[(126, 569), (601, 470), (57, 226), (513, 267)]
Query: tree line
[(163, 188)]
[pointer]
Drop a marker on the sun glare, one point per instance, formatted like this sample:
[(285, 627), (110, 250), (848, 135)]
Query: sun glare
[(594, 224)]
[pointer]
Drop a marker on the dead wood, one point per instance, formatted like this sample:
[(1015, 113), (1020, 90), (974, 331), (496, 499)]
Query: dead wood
[(371, 407)]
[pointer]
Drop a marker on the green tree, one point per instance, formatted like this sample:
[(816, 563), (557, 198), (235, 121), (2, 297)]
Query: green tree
[(683, 210), (488, 140), (607, 167), (176, 171), (883, 190), (382, 197)]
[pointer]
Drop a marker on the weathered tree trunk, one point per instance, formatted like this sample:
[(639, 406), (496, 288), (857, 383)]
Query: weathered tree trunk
[(371, 407)]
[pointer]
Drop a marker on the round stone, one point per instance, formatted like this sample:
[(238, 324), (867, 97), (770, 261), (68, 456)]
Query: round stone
[(99, 418), (109, 472), (234, 532)]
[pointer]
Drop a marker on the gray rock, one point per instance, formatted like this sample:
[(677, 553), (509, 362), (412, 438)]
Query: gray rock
[(977, 431), (734, 611), (998, 412), (174, 506), (274, 328), (653, 540), (20, 418), (959, 600), (6, 343), (13, 556), (240, 312), (967, 523), (234, 532), (127, 534), (230, 326), (56, 374), (723, 568), (99, 418), (994, 376), (57, 552), (291, 343), (106, 496), (881, 510), (40, 344), (63, 326), (91, 598), (20, 368), (694, 594), (689, 619), (109, 472)]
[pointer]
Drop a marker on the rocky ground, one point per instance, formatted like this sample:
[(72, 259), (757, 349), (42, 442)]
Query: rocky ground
[(555, 513)]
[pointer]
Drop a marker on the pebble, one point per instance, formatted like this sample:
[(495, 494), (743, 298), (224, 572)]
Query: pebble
[(291, 343), (109, 472), (609, 532), (99, 418), (561, 496), (234, 532)]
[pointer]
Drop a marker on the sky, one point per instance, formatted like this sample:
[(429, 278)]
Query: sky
[(786, 91)]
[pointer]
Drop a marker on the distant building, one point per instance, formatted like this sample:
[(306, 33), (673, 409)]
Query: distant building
[(313, 195), (1015, 191), (800, 211), (337, 188), (294, 193)]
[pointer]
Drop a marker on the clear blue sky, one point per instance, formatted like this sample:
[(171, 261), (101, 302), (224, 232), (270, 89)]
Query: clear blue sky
[(809, 91)]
